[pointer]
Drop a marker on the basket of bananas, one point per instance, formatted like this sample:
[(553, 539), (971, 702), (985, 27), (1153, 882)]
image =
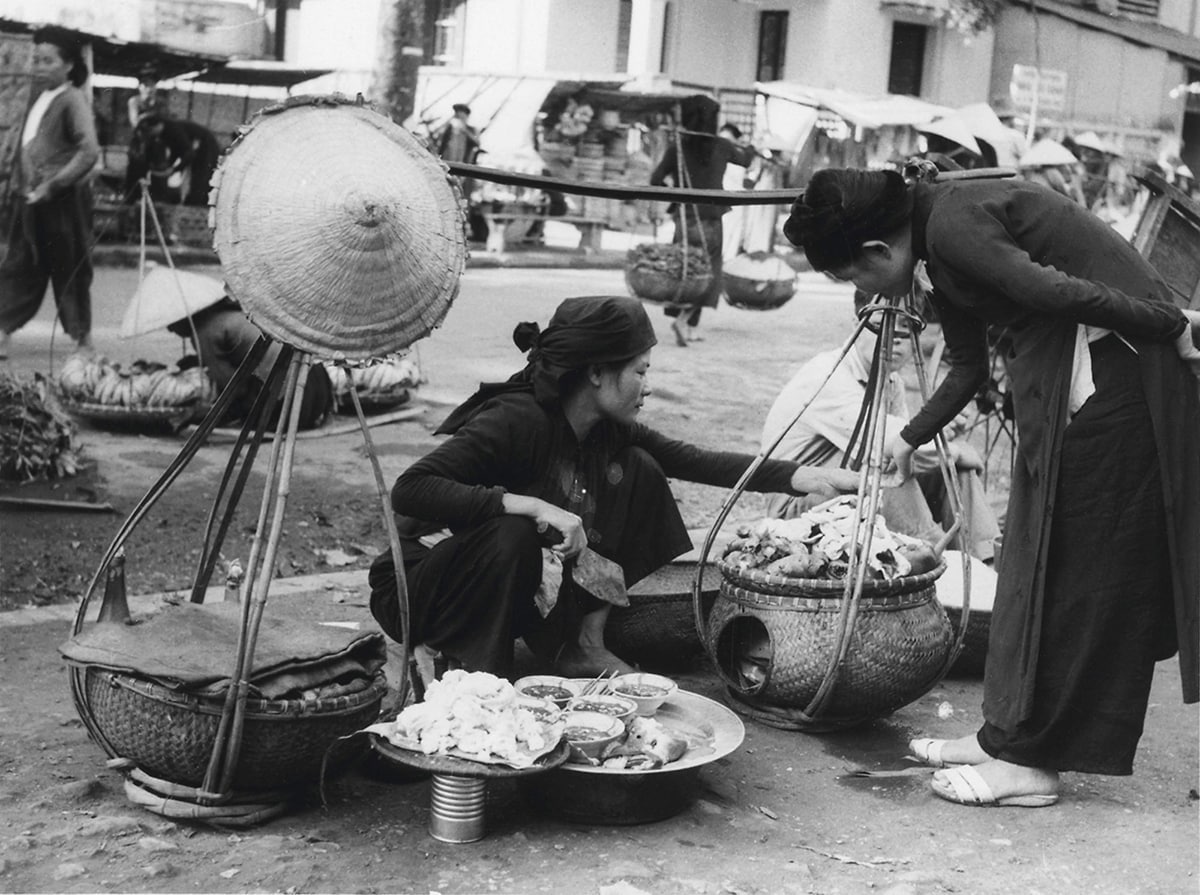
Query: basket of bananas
[(99, 390), (381, 385)]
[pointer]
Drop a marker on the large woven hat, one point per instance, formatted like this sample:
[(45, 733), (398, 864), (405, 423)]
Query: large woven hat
[(338, 232), (166, 296), (1047, 153)]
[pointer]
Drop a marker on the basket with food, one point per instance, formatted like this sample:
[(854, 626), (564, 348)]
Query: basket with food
[(776, 627), (380, 384), (102, 391), (667, 274), (758, 281)]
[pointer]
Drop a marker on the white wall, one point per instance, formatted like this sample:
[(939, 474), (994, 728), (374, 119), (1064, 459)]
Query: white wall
[(581, 36), (333, 34), (714, 42)]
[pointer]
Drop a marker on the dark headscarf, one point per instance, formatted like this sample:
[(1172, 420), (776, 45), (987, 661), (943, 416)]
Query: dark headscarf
[(841, 208), (595, 329)]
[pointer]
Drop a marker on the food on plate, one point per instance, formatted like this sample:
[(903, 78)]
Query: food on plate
[(551, 687), (649, 691), (617, 706), (475, 715), (590, 732), (818, 544), (649, 744)]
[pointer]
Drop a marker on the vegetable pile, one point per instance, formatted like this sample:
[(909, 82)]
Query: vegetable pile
[(37, 439), (667, 260), (817, 544)]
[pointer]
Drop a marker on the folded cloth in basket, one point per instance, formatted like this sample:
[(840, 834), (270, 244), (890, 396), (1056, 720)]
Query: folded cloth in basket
[(193, 647)]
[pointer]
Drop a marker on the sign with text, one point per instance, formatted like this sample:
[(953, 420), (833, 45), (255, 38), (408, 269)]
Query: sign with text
[(1050, 84)]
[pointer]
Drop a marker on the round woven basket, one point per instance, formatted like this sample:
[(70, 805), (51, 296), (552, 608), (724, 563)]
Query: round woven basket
[(170, 734), (658, 627), (973, 656), (661, 288), (899, 645), (338, 232), (757, 295)]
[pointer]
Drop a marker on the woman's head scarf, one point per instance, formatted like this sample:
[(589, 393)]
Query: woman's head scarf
[(596, 329), (841, 208)]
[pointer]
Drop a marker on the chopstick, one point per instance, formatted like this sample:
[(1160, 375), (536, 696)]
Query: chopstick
[(599, 685)]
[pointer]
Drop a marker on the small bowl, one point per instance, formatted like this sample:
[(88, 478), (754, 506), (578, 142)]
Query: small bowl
[(649, 691), (551, 687), (590, 732), (543, 709), (621, 707)]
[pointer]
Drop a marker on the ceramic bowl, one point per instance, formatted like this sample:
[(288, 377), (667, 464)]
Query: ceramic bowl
[(559, 690), (649, 691), (590, 732), (620, 707)]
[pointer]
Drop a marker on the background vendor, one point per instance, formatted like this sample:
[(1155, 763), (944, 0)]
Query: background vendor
[(552, 458), (222, 336), (824, 432)]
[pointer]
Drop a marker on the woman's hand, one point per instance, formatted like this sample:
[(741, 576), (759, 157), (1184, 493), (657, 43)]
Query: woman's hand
[(39, 193), (823, 482), (547, 516), (1185, 343), (901, 454)]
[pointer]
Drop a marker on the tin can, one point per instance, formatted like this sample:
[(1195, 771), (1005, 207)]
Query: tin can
[(457, 808)]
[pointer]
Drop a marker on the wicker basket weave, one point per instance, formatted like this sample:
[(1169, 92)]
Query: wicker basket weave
[(170, 734), (660, 288), (899, 645), (757, 295), (658, 626)]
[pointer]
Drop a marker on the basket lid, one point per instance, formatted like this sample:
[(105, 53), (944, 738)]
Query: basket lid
[(339, 233)]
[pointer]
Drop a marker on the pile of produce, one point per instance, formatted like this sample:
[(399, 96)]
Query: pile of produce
[(817, 544), (667, 260), (96, 380), (37, 440), (382, 380), (476, 716)]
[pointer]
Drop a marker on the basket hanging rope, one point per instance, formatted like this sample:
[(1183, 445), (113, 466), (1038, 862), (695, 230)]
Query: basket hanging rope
[(338, 232), (841, 651)]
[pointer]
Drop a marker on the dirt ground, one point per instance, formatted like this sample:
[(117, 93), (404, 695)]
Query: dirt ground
[(777, 816)]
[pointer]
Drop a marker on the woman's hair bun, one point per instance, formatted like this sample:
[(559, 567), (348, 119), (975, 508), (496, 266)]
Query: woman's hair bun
[(525, 335)]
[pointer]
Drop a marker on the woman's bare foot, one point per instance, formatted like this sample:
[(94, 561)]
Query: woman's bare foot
[(1003, 783), (576, 660), (964, 750)]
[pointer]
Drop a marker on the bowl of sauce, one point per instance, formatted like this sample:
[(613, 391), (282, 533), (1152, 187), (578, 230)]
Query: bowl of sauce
[(648, 691)]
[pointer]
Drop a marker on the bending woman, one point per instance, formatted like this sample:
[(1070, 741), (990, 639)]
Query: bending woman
[(1099, 576), (553, 458)]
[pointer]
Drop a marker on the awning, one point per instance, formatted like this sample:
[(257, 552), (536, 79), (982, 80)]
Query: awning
[(111, 56), (504, 107), (259, 73), (857, 109)]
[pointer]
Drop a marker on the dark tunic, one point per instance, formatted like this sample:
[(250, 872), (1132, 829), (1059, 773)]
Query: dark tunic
[(1021, 257), (615, 481)]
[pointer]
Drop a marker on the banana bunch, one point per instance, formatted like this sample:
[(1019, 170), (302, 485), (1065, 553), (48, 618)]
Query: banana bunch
[(377, 378), (96, 380)]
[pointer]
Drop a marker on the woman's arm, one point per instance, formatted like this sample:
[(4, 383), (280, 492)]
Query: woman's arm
[(680, 460), (666, 168)]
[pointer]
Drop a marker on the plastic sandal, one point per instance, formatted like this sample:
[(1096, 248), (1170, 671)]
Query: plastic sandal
[(965, 786), (928, 752)]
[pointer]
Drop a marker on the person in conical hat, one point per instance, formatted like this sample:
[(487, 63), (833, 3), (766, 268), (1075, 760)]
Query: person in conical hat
[(222, 336), (535, 470)]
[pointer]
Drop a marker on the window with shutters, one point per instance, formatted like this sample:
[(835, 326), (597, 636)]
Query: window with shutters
[(772, 44), (907, 66)]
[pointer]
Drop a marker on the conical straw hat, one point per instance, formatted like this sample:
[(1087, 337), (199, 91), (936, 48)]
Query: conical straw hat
[(952, 128), (1047, 153), (338, 232), (165, 296)]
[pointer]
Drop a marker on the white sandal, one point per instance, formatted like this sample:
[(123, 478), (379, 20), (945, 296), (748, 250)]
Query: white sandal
[(928, 752), (965, 786)]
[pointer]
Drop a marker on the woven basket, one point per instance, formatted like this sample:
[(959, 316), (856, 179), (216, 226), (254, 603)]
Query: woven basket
[(653, 286), (898, 647), (757, 295), (170, 734), (766, 583), (972, 658), (659, 625)]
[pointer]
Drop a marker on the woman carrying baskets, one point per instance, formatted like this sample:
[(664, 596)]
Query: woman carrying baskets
[(1099, 576), (538, 468), (698, 160)]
